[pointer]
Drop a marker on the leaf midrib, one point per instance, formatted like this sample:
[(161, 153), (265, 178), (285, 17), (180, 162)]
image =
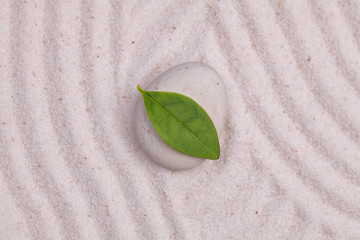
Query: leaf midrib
[(172, 115)]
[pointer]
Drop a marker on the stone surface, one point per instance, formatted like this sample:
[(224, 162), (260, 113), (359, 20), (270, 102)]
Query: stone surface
[(197, 81)]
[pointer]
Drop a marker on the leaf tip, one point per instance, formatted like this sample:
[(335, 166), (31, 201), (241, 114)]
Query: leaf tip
[(215, 154), (215, 157)]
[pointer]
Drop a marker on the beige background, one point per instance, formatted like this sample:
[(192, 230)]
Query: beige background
[(70, 167)]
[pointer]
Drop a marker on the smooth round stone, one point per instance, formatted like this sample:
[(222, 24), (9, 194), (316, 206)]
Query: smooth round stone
[(197, 81)]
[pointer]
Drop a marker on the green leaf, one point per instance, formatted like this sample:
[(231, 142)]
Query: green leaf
[(182, 123)]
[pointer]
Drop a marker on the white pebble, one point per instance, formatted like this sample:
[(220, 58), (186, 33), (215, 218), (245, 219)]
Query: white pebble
[(197, 81)]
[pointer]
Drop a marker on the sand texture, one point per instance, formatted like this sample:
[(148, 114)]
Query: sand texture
[(70, 165)]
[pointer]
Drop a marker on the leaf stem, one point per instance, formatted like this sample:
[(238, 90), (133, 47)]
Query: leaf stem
[(140, 90)]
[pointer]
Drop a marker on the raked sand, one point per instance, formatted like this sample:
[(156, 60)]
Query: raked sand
[(70, 166)]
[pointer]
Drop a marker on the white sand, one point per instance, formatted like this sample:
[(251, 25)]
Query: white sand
[(70, 167)]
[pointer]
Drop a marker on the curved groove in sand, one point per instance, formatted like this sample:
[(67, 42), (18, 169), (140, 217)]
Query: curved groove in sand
[(69, 148), (351, 13), (28, 134), (90, 89), (293, 111), (324, 98), (336, 45), (291, 160)]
